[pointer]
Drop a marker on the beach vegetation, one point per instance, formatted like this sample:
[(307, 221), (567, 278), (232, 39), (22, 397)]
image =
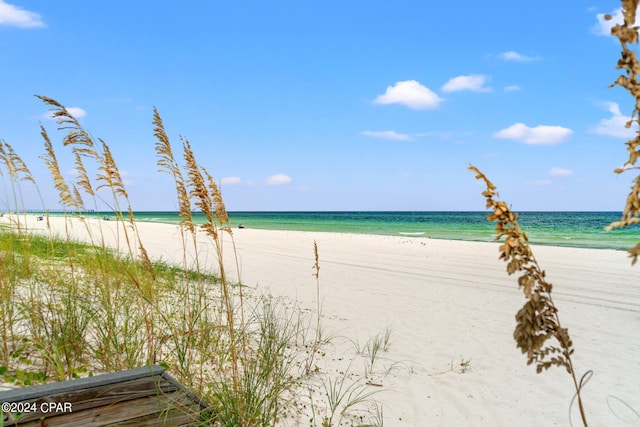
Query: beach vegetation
[(73, 307), (539, 333), (344, 394), (317, 340), (462, 366), (627, 33)]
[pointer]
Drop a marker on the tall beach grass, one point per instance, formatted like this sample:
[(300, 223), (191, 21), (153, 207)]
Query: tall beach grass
[(71, 309)]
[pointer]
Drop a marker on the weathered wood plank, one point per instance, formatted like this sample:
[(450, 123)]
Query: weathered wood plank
[(148, 410), (137, 397), (103, 395), (174, 419), (26, 393), (184, 417)]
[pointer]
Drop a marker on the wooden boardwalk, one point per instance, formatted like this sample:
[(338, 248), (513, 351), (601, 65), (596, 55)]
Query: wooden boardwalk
[(143, 397)]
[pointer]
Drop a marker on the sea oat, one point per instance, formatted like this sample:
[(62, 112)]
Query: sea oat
[(50, 159), (14, 163), (537, 322), (83, 178), (218, 204), (628, 33)]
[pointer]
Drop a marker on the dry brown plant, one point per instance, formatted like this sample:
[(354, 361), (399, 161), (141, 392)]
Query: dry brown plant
[(168, 164), (16, 168), (209, 200), (17, 171), (109, 177), (538, 332), (316, 274), (67, 198), (627, 33)]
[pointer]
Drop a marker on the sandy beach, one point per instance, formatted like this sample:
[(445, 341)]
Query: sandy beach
[(446, 303)]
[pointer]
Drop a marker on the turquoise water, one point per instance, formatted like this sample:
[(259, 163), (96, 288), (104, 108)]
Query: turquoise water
[(575, 229)]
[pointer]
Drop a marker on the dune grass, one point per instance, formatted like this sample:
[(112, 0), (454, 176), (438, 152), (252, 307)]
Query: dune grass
[(627, 33), (71, 309)]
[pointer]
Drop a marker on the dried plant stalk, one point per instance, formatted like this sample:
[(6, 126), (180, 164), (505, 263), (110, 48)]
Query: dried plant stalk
[(212, 207), (538, 332), (13, 162), (18, 171), (50, 159), (109, 177), (316, 274), (168, 164), (83, 178), (628, 33), (109, 173)]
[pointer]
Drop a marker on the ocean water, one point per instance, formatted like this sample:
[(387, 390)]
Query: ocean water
[(574, 229)]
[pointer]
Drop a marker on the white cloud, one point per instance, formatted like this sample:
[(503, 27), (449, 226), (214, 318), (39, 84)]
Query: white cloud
[(409, 93), (517, 57), (278, 179), (472, 82), (556, 171), (388, 134), (539, 135), (615, 125), (539, 182), (446, 135), (14, 16), (603, 27), (76, 112), (230, 180), (512, 88)]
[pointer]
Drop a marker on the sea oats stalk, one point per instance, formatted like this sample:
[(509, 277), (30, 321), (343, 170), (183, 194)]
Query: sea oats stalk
[(168, 164), (316, 274), (17, 171), (109, 177), (628, 33), (209, 204), (223, 225), (84, 182), (538, 332), (67, 198)]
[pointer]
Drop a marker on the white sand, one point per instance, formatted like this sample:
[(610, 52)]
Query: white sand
[(446, 301)]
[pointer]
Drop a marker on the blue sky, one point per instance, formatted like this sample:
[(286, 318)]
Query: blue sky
[(332, 105)]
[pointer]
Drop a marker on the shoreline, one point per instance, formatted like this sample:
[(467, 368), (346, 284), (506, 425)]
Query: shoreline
[(445, 302), (540, 237)]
